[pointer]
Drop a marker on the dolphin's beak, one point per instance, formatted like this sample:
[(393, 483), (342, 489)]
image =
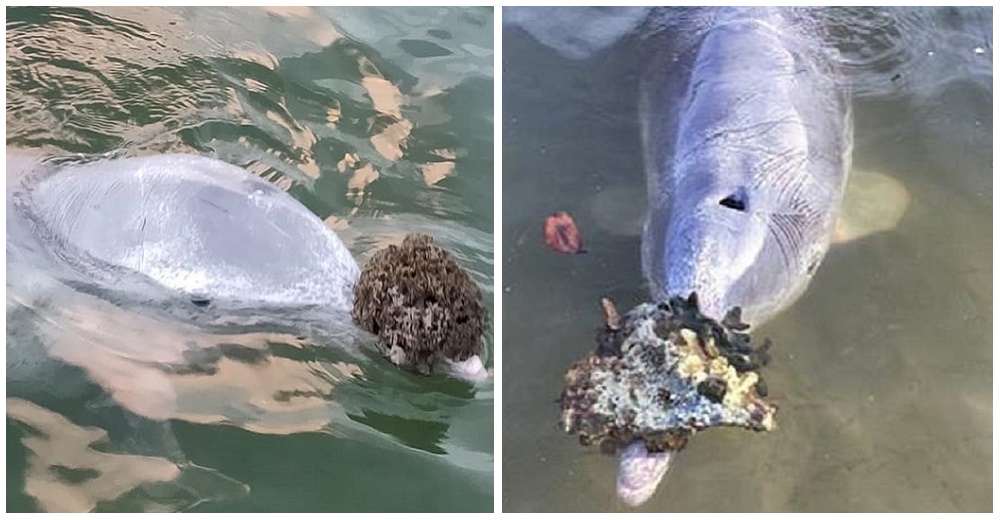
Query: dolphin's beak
[(471, 369), (640, 472)]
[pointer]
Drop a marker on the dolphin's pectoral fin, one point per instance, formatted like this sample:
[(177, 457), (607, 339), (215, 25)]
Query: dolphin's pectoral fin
[(873, 202), (619, 209)]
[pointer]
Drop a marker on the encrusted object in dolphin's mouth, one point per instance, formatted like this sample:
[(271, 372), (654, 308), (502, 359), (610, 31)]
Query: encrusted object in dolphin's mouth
[(421, 303), (662, 373)]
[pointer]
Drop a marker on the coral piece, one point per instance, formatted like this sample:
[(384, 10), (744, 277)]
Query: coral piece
[(420, 302), (662, 373), (561, 234)]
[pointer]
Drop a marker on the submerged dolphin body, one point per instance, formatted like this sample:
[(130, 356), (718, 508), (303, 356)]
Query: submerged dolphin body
[(748, 135)]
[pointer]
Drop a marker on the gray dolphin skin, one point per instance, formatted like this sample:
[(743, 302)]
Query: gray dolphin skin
[(748, 140), (199, 226), (202, 228), (746, 167)]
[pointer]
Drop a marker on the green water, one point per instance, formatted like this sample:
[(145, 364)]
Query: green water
[(379, 121), (882, 370)]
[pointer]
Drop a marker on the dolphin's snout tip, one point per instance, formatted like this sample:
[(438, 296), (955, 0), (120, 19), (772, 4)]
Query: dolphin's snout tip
[(640, 473), (471, 369), (634, 497)]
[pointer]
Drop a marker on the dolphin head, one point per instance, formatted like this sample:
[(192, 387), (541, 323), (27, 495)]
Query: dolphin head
[(737, 246)]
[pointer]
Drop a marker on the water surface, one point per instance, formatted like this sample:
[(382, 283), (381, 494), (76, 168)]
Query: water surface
[(380, 122), (882, 370)]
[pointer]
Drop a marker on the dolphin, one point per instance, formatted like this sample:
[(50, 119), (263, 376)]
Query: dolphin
[(177, 226), (748, 147)]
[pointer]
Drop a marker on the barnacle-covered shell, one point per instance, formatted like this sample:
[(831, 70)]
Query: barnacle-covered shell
[(421, 303), (672, 373)]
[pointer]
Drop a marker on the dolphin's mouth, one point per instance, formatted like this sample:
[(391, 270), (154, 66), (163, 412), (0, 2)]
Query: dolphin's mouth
[(640, 472), (660, 374), (472, 369)]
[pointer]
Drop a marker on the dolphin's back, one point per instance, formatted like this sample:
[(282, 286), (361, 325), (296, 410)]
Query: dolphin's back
[(196, 225)]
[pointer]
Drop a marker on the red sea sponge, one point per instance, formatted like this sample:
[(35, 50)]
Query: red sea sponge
[(561, 234)]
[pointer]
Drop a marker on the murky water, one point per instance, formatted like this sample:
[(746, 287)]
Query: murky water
[(379, 121), (882, 370)]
